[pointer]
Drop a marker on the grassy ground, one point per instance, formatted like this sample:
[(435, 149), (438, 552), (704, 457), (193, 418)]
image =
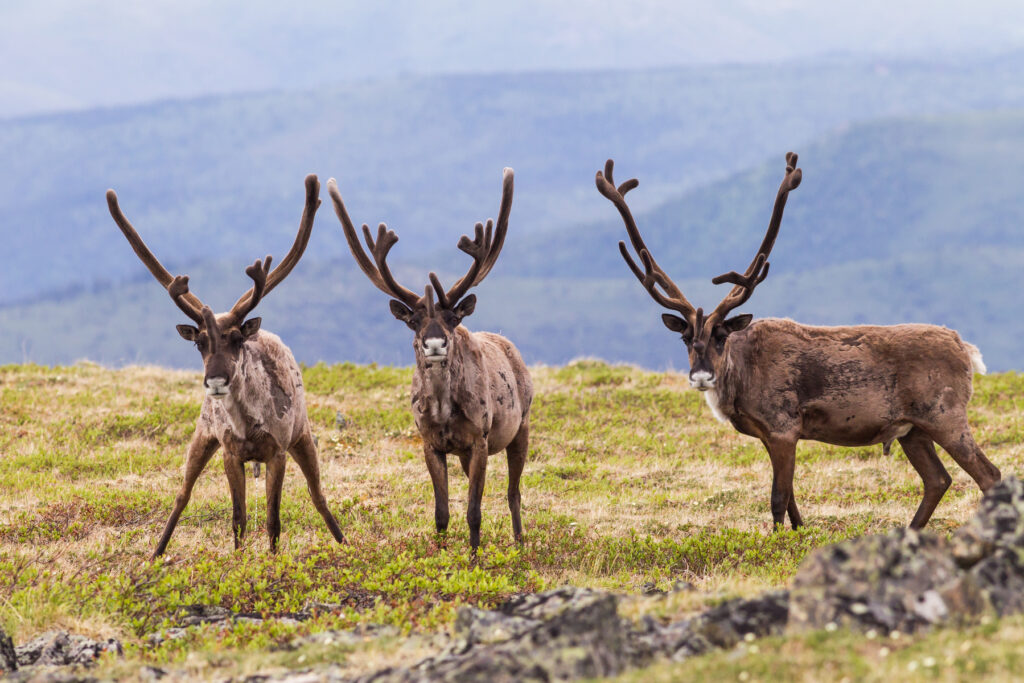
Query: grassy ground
[(630, 481)]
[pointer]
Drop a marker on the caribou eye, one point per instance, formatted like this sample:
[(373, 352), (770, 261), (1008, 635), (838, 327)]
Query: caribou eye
[(235, 338), (450, 319)]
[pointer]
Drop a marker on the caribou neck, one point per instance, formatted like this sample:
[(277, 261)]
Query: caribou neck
[(722, 399), (437, 383), (250, 376)]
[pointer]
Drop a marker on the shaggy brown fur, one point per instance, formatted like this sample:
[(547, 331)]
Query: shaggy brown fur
[(255, 404), (779, 381), (471, 392)]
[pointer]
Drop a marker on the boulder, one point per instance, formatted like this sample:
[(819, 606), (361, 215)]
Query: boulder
[(8, 655), (889, 582), (59, 648)]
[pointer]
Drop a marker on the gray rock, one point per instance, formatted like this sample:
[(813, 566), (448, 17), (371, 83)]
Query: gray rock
[(998, 524), (719, 627), (58, 648), (160, 637), (890, 582), (562, 634), (340, 421), (8, 655), (193, 615)]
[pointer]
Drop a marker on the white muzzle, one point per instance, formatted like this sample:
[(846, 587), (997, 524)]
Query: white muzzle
[(702, 380), (216, 387), (435, 350)]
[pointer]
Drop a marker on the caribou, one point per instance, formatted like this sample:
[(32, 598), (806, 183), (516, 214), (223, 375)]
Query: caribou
[(471, 391), (255, 403), (780, 381)]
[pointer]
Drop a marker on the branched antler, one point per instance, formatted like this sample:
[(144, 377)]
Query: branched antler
[(258, 272), (188, 302), (298, 246), (178, 289), (652, 276), (484, 247), (757, 271), (376, 269)]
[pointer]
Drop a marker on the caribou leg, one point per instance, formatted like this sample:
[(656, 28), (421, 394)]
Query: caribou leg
[(960, 444), (516, 453), (305, 455), (275, 482), (234, 468), (477, 474), (783, 456), (921, 453), (437, 466), (200, 451)]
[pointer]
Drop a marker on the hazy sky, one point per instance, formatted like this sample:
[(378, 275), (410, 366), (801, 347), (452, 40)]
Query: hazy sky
[(73, 54)]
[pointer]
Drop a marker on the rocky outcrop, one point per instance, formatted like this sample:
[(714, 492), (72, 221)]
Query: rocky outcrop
[(60, 648), (900, 581), (8, 655), (905, 580)]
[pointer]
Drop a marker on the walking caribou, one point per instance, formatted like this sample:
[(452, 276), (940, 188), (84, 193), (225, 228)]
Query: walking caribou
[(780, 381), (255, 405), (471, 391)]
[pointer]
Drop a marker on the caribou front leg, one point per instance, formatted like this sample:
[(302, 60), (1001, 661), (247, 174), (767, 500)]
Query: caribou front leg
[(477, 474), (783, 456), (235, 471), (437, 466), (200, 451)]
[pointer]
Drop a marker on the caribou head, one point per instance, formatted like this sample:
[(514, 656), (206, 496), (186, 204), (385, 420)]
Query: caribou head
[(433, 323), (705, 336), (220, 338)]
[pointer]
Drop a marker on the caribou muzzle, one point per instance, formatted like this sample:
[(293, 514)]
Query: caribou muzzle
[(702, 380), (217, 387), (435, 349)]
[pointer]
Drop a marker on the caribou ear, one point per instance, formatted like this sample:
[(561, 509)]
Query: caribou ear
[(465, 307), (250, 327), (405, 314), (674, 322), (737, 323), (188, 332)]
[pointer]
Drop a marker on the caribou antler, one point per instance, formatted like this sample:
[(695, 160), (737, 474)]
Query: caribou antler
[(188, 302), (377, 268), (484, 248), (258, 271), (757, 271), (178, 289), (652, 276), (274, 278)]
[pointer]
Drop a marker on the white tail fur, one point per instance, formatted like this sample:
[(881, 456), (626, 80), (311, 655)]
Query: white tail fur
[(977, 364)]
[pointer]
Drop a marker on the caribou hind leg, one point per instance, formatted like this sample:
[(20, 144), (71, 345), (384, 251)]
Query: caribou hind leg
[(960, 444), (304, 453), (921, 454), (516, 453), (200, 451)]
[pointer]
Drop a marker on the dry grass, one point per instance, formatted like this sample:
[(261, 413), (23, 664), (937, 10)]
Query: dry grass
[(630, 481)]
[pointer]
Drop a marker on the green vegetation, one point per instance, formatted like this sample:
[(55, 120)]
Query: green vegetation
[(630, 481)]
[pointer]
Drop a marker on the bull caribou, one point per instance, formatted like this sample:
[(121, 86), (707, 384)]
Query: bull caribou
[(780, 381)]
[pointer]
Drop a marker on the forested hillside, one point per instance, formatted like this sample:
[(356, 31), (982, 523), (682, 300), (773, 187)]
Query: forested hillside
[(896, 221), (220, 178)]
